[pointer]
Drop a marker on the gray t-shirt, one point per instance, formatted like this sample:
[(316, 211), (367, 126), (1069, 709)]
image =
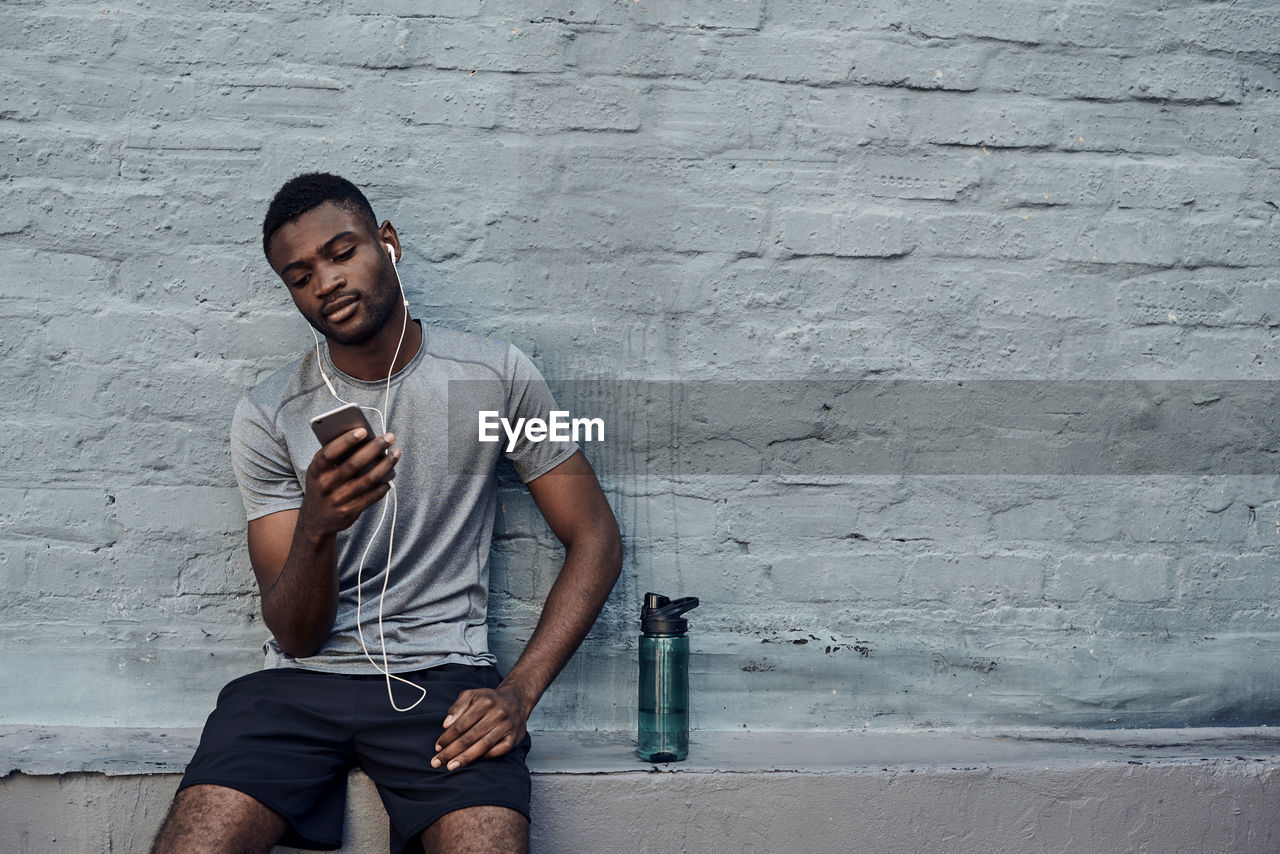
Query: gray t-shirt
[(435, 604)]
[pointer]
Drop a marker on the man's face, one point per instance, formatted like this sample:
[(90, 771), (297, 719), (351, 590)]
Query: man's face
[(337, 271)]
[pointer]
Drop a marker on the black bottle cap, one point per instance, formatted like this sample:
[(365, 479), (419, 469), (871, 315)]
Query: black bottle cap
[(660, 616)]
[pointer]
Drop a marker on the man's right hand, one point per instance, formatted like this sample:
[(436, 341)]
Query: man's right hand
[(346, 477), (293, 551)]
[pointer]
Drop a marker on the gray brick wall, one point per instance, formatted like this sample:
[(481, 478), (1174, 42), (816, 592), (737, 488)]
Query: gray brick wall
[(673, 191)]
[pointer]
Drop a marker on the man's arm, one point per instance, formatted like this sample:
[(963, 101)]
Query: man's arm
[(492, 722), (292, 552)]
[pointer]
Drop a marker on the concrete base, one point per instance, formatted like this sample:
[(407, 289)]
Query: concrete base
[(1163, 791)]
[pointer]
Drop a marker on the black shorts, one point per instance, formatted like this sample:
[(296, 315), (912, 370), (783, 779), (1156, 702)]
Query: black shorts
[(287, 738)]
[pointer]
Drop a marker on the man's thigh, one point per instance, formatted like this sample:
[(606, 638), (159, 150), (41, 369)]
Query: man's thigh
[(478, 830), (282, 738), (207, 819), (395, 749)]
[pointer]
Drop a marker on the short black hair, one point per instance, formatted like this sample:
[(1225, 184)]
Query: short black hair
[(306, 192)]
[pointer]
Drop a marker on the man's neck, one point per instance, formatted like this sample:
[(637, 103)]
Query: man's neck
[(370, 360)]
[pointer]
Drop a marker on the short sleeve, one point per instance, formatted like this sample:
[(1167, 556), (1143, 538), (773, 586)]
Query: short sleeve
[(528, 397), (267, 480)]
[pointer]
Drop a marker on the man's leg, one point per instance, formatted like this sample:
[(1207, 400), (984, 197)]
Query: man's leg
[(480, 807), (478, 830), (208, 819)]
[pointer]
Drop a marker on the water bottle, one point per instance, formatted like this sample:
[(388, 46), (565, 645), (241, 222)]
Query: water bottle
[(664, 679)]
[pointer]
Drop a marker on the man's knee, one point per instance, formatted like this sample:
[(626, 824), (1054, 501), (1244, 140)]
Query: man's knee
[(206, 819), (478, 830)]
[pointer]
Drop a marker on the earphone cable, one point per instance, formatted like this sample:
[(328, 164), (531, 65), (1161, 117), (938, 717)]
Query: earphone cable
[(385, 668)]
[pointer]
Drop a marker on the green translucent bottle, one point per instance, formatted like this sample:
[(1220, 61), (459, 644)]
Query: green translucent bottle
[(664, 679)]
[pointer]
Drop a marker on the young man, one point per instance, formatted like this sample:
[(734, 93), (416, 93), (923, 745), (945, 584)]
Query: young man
[(379, 655)]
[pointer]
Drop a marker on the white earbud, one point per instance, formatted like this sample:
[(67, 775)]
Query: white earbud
[(391, 250)]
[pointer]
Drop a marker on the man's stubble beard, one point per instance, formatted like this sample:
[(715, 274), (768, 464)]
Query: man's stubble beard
[(378, 307)]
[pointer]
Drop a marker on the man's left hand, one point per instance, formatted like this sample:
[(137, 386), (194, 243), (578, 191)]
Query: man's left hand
[(481, 723)]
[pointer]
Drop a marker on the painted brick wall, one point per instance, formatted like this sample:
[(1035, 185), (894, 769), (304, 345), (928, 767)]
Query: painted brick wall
[(672, 192)]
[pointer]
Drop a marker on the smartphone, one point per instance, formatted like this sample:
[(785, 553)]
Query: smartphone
[(330, 425)]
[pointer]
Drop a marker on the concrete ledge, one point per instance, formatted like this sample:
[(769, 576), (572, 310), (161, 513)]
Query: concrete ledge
[(71, 789)]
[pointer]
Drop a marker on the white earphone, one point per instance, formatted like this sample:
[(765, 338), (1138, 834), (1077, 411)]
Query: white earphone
[(391, 250), (395, 506)]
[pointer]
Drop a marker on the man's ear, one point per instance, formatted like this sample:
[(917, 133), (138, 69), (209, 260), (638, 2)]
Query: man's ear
[(387, 236)]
